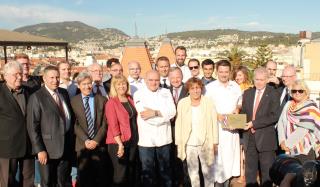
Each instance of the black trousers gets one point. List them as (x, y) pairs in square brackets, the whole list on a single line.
[(56, 173), (8, 171), (92, 167), (254, 159), (125, 169)]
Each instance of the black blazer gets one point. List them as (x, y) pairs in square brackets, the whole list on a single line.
[(46, 127), (13, 131), (266, 117), (107, 85), (81, 125)]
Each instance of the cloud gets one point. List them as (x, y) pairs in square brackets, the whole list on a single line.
[(253, 23), (24, 15)]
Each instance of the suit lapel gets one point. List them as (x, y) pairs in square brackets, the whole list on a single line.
[(50, 100), (11, 98), (183, 93)]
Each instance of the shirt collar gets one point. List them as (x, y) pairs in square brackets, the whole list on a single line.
[(90, 95), (131, 80), (51, 91)]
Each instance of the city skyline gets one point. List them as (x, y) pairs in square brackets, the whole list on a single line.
[(155, 18)]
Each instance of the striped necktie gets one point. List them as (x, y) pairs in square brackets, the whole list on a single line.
[(89, 118)]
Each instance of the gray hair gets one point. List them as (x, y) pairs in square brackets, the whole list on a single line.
[(11, 65), (82, 76), (94, 64), (261, 70)]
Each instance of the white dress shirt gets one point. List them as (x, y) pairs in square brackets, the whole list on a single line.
[(135, 85), (156, 131), (67, 113)]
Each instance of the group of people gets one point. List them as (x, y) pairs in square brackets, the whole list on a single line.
[(164, 129)]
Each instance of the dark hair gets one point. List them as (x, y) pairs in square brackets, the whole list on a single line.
[(180, 48), (207, 62), (195, 60), (223, 63), (163, 58), (192, 81), (112, 60)]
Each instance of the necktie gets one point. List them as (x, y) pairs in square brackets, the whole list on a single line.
[(89, 118), (176, 95), (59, 103), (164, 83), (257, 101), (98, 92)]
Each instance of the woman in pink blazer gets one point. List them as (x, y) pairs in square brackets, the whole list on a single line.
[(122, 133)]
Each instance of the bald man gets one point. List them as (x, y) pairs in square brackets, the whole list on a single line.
[(135, 81), (289, 76), (155, 107)]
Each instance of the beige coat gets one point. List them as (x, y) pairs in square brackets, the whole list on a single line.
[(209, 128)]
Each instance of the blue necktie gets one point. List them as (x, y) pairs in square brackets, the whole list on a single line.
[(89, 118)]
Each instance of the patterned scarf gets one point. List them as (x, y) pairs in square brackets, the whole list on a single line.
[(307, 116)]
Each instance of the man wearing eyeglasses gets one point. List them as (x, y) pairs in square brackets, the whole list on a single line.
[(134, 79), (194, 67), (289, 76)]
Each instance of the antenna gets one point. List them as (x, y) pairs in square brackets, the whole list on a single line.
[(135, 30)]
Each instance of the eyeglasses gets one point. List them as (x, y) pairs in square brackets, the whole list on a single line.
[(297, 91), (194, 67)]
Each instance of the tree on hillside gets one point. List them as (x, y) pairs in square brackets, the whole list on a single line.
[(263, 54), (235, 55)]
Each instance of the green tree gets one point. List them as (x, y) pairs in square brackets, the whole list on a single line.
[(263, 54), (235, 55)]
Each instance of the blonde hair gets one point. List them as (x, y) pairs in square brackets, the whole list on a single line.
[(115, 80), (303, 86)]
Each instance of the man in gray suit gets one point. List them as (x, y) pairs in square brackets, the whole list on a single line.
[(49, 123)]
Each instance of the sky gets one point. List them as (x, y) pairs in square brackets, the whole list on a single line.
[(156, 17)]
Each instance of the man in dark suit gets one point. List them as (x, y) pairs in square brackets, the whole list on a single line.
[(178, 92), (260, 104), (90, 130), (49, 123), (163, 66), (13, 134), (289, 76)]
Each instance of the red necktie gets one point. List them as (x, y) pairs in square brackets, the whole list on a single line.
[(257, 101)]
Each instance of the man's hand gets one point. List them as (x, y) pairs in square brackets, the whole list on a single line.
[(248, 125), (274, 79), (90, 144), (43, 157), (147, 113), (221, 117)]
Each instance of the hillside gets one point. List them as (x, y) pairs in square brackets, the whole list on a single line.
[(73, 31)]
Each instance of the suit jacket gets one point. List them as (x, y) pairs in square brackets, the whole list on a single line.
[(183, 93), (266, 117), (107, 85), (81, 125), (118, 120), (13, 131), (46, 126)]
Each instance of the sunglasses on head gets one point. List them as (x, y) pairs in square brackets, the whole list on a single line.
[(194, 67), (295, 91)]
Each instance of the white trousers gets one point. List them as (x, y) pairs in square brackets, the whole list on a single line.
[(194, 154)]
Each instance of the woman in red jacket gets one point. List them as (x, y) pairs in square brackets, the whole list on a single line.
[(122, 133)]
